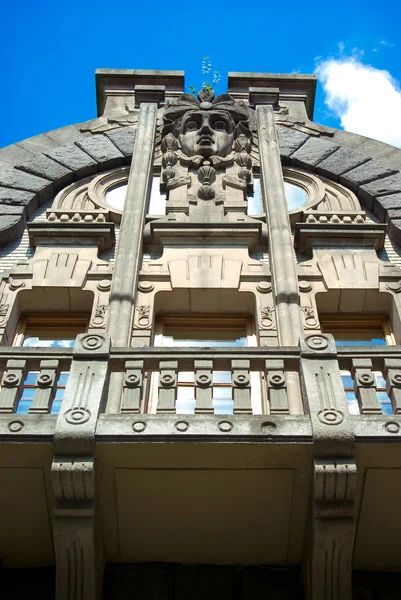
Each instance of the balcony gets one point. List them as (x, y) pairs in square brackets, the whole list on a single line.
[(189, 487)]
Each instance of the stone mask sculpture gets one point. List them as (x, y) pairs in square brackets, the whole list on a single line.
[(206, 133), (207, 126)]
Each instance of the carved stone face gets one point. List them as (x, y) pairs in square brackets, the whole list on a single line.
[(206, 132)]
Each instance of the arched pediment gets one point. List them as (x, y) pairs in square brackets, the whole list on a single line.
[(34, 170)]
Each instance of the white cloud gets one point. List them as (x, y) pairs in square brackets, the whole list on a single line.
[(366, 100)]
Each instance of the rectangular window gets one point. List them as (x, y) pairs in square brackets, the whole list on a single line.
[(361, 330), (47, 331), (211, 332)]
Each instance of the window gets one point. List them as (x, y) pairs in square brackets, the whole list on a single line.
[(39, 331), (295, 195), (355, 330), (211, 332)]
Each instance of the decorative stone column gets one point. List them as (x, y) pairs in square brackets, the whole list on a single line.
[(284, 274), (129, 250), (328, 563), (281, 252), (77, 533)]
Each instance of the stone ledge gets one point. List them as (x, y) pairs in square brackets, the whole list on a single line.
[(27, 428), (206, 428), (72, 234)]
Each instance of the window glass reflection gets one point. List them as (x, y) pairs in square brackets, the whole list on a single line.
[(116, 197), (157, 202), (189, 336), (255, 206), (294, 195)]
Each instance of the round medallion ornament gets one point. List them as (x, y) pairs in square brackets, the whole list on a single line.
[(10, 380), (203, 381), (104, 285), (392, 427), (304, 286), (167, 380), (276, 381), (264, 287), (92, 342), (225, 426), (330, 416), (145, 287), (395, 380), (317, 342), (44, 380), (394, 287), (77, 416), (268, 427), (365, 379), (139, 426), (15, 426), (182, 426), (15, 284), (132, 380), (241, 380)]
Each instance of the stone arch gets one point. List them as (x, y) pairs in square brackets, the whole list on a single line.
[(34, 170)]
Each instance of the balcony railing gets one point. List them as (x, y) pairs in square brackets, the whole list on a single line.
[(33, 378), (151, 378)]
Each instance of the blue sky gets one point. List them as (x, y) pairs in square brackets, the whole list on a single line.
[(50, 51)]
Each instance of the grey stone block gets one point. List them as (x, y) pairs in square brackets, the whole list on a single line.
[(12, 197), (64, 135), (14, 153), (44, 166), (384, 204), (290, 140), (101, 149), (365, 173), (124, 139), (343, 160), (11, 227), (393, 213), (394, 231), (6, 209), (38, 144), (313, 151), (14, 178), (75, 159), (382, 187)]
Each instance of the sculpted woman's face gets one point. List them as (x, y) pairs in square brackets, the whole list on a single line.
[(206, 132)]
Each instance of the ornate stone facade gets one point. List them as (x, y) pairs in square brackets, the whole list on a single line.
[(285, 476)]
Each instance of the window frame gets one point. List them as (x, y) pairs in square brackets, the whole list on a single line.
[(331, 322), (204, 321)]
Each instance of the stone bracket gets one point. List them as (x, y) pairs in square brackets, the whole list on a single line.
[(328, 562), (77, 534)]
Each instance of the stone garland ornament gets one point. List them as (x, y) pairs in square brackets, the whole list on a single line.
[(243, 159), (267, 317), (143, 316), (169, 146), (99, 320), (310, 321)]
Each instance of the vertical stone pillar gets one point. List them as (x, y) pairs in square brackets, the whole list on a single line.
[(281, 252), (76, 529), (129, 249), (328, 562)]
